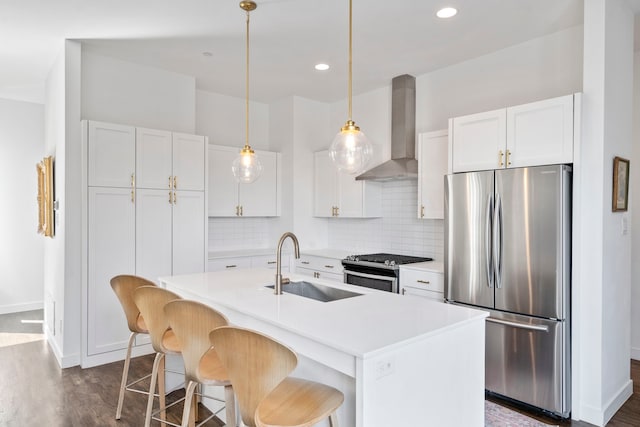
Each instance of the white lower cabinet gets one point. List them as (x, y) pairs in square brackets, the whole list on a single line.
[(249, 261), (320, 267), (111, 251), (416, 281), (218, 264)]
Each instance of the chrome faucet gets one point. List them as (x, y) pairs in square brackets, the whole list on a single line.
[(277, 289)]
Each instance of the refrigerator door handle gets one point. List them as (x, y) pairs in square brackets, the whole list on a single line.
[(487, 244), (541, 328), (497, 241)]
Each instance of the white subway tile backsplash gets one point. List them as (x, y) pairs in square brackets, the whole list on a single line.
[(230, 234)]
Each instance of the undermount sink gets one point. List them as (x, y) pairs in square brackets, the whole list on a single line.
[(316, 291)]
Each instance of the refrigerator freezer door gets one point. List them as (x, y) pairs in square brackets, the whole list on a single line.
[(468, 216), (534, 240), (526, 360)]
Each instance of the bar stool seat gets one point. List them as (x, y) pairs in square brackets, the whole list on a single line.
[(258, 367), (124, 287)]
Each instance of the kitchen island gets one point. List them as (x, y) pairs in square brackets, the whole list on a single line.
[(399, 361)]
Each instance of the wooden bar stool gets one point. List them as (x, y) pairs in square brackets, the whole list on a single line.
[(192, 322), (151, 301), (124, 286), (258, 367)]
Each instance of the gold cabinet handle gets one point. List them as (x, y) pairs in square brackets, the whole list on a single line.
[(237, 210), (230, 266), (175, 182), (271, 262), (500, 158), (133, 195), (170, 201), (133, 180), (304, 262), (508, 157), (170, 183), (241, 210), (175, 198), (329, 266), (422, 211), (337, 211), (403, 291), (426, 282)]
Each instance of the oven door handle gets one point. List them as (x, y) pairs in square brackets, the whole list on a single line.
[(393, 280)]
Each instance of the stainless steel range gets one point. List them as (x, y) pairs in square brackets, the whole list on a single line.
[(377, 271)]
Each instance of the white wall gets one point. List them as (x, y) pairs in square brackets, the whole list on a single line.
[(222, 119), (22, 249), (122, 92), (602, 259), (634, 194)]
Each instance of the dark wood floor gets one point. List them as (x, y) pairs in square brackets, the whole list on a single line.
[(34, 391)]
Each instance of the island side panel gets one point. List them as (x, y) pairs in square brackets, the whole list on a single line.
[(437, 381)]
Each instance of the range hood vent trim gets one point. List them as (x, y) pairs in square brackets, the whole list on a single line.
[(403, 164)]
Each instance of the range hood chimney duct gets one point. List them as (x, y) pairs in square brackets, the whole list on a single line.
[(403, 163)]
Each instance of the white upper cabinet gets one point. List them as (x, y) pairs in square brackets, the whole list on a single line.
[(228, 198), (189, 162), (111, 155), (169, 160), (478, 140), (537, 133), (338, 194), (432, 167)]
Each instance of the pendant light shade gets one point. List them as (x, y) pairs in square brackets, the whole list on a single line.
[(350, 150), (246, 167)]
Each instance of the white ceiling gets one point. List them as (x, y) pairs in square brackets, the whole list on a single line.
[(288, 37)]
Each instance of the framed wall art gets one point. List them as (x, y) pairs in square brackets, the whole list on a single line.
[(45, 196), (620, 184)]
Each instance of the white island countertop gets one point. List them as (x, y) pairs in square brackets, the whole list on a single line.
[(398, 360), (360, 326)]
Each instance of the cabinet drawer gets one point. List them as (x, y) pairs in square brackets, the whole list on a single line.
[(228, 263), (422, 293), (269, 261), (427, 280), (329, 265), (335, 277)]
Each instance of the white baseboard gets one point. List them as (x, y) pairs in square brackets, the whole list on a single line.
[(635, 353), (601, 416), (18, 308), (63, 361)]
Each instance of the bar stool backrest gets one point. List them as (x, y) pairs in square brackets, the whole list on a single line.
[(124, 286), (255, 363), (151, 301), (191, 322)]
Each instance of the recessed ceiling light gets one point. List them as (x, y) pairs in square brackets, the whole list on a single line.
[(322, 67), (446, 12), (207, 54)]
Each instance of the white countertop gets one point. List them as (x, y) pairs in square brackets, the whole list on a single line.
[(362, 326), (434, 266)]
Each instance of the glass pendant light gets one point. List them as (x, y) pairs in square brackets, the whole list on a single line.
[(350, 150), (246, 167)]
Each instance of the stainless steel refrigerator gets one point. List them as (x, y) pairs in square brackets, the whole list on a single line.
[(508, 250)]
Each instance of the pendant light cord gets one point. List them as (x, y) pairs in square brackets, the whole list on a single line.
[(350, 56), (247, 88)]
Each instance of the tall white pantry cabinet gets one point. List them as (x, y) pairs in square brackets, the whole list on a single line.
[(145, 213)]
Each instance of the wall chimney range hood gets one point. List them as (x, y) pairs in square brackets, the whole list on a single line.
[(403, 163)]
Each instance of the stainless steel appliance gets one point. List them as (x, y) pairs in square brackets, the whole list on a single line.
[(378, 271), (508, 250)]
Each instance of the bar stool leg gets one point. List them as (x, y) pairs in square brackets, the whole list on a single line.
[(152, 388), (161, 391), (333, 420), (230, 406), (187, 414), (125, 374)]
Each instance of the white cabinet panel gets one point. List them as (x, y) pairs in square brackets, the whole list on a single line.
[(478, 140), (432, 167), (153, 233), (541, 133), (111, 154), (111, 251), (189, 161), (427, 280), (270, 261), (320, 267), (337, 194), (188, 232), (537, 133), (228, 198), (153, 158), (419, 292)]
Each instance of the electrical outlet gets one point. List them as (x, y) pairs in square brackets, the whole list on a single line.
[(384, 367)]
